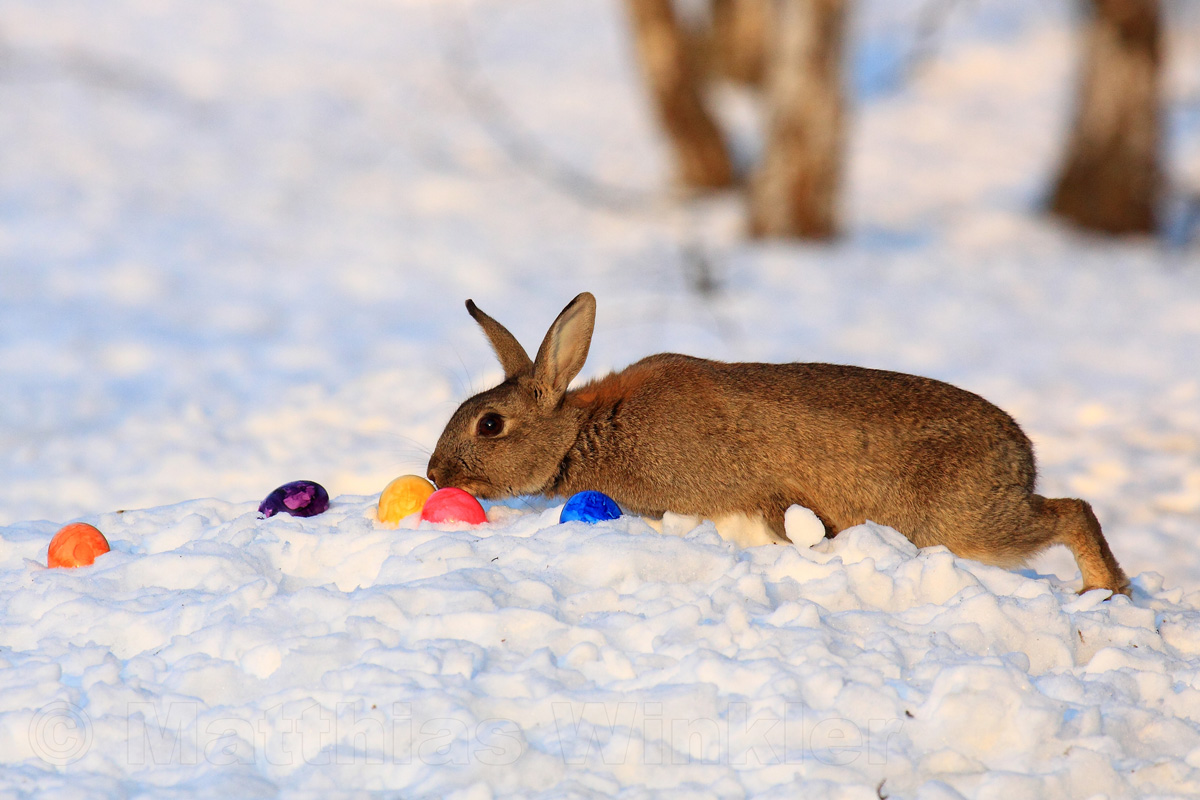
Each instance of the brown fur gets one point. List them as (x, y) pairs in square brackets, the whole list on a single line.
[(706, 438)]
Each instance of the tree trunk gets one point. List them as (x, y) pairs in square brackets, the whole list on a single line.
[(739, 39), (796, 190), (1111, 179), (702, 159)]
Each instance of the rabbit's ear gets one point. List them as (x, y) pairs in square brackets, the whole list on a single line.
[(565, 347), (512, 356)]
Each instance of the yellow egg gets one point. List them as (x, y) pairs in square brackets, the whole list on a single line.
[(403, 496)]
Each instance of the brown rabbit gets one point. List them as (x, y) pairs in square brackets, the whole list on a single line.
[(706, 438)]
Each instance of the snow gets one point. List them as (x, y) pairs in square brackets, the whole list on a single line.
[(802, 526), (235, 240)]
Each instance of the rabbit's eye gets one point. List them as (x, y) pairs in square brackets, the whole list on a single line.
[(489, 425)]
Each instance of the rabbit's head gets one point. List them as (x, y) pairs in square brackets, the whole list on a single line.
[(511, 440)]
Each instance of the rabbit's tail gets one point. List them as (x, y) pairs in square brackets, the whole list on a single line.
[(1072, 522)]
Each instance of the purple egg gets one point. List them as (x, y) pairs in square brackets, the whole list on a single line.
[(298, 498)]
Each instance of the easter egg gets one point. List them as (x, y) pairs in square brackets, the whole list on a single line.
[(403, 496), (76, 545), (453, 505), (298, 498), (589, 506)]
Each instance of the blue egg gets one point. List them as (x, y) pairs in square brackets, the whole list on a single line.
[(590, 507)]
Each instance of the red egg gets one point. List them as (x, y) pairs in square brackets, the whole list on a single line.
[(76, 545), (453, 505)]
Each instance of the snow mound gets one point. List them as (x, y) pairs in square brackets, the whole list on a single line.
[(215, 651)]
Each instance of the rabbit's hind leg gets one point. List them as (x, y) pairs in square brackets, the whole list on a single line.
[(1072, 522)]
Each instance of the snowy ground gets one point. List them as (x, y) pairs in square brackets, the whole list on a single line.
[(235, 239)]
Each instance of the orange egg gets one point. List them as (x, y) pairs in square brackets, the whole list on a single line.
[(76, 545)]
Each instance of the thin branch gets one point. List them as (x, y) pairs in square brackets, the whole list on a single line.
[(517, 143), (97, 70), (527, 153), (931, 24)]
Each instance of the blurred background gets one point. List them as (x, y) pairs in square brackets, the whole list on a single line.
[(236, 237)]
